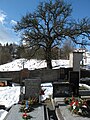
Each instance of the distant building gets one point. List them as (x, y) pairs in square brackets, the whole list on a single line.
[(86, 58)]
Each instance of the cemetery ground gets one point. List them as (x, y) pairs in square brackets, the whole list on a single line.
[(46, 111), (61, 100), (38, 112), (50, 109)]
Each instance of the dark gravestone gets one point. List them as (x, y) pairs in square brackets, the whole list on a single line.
[(64, 73), (9, 83), (74, 82), (32, 88), (61, 89), (2, 107)]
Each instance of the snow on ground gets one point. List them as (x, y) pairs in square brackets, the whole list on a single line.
[(32, 64), (3, 113), (84, 85), (48, 90), (8, 97)]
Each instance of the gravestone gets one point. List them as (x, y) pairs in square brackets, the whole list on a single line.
[(64, 73), (61, 89), (32, 88), (74, 82)]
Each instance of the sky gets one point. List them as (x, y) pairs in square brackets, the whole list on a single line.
[(11, 11)]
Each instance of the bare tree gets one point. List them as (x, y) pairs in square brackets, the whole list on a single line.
[(67, 48), (50, 25)]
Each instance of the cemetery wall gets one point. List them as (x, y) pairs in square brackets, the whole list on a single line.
[(46, 75), (51, 75), (15, 75)]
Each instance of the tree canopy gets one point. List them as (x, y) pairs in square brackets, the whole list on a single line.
[(51, 24)]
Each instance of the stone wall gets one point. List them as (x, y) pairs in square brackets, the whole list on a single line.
[(15, 75), (46, 75), (51, 75)]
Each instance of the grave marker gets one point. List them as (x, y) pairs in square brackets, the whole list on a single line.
[(61, 89), (74, 82)]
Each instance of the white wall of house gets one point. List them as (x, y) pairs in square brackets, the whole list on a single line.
[(86, 58)]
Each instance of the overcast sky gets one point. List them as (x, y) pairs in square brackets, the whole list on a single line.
[(12, 10)]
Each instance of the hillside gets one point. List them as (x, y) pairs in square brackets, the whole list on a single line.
[(32, 64)]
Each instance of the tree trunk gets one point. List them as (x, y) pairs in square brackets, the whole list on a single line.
[(48, 58), (49, 64)]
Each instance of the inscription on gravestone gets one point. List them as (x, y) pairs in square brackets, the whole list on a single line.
[(61, 89), (32, 87)]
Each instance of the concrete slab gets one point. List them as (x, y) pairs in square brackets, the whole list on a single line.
[(63, 113), (36, 114)]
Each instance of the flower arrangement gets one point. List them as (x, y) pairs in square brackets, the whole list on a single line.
[(26, 116), (32, 101), (77, 106), (26, 107)]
